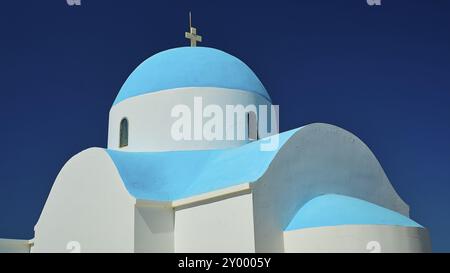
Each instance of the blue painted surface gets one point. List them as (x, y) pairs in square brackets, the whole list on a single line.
[(166, 176), (190, 67), (334, 210)]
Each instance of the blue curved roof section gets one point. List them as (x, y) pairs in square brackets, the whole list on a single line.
[(168, 176), (334, 210), (190, 67)]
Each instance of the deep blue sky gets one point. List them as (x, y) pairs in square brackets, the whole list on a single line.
[(382, 73)]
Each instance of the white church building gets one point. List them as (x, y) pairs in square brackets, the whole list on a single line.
[(320, 190)]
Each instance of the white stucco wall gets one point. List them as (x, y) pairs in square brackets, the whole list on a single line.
[(88, 204), (358, 238), (14, 246), (150, 121), (221, 226), (154, 228), (318, 159)]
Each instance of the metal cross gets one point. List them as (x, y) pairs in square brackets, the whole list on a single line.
[(192, 34)]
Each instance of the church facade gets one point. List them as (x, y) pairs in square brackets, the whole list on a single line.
[(320, 189)]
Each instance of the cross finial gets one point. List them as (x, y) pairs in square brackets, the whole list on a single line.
[(192, 34)]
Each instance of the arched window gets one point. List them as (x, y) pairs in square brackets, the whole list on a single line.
[(123, 142), (252, 125)]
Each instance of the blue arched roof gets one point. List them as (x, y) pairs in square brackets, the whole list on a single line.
[(190, 67), (334, 209), (168, 176)]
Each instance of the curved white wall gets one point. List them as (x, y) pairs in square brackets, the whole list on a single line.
[(358, 239), (89, 204), (318, 159), (150, 120)]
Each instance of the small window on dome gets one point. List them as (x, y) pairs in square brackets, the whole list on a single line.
[(252, 125), (123, 142)]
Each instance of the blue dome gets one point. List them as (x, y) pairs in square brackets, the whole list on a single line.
[(190, 67)]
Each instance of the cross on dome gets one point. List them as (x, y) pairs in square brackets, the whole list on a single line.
[(192, 34)]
